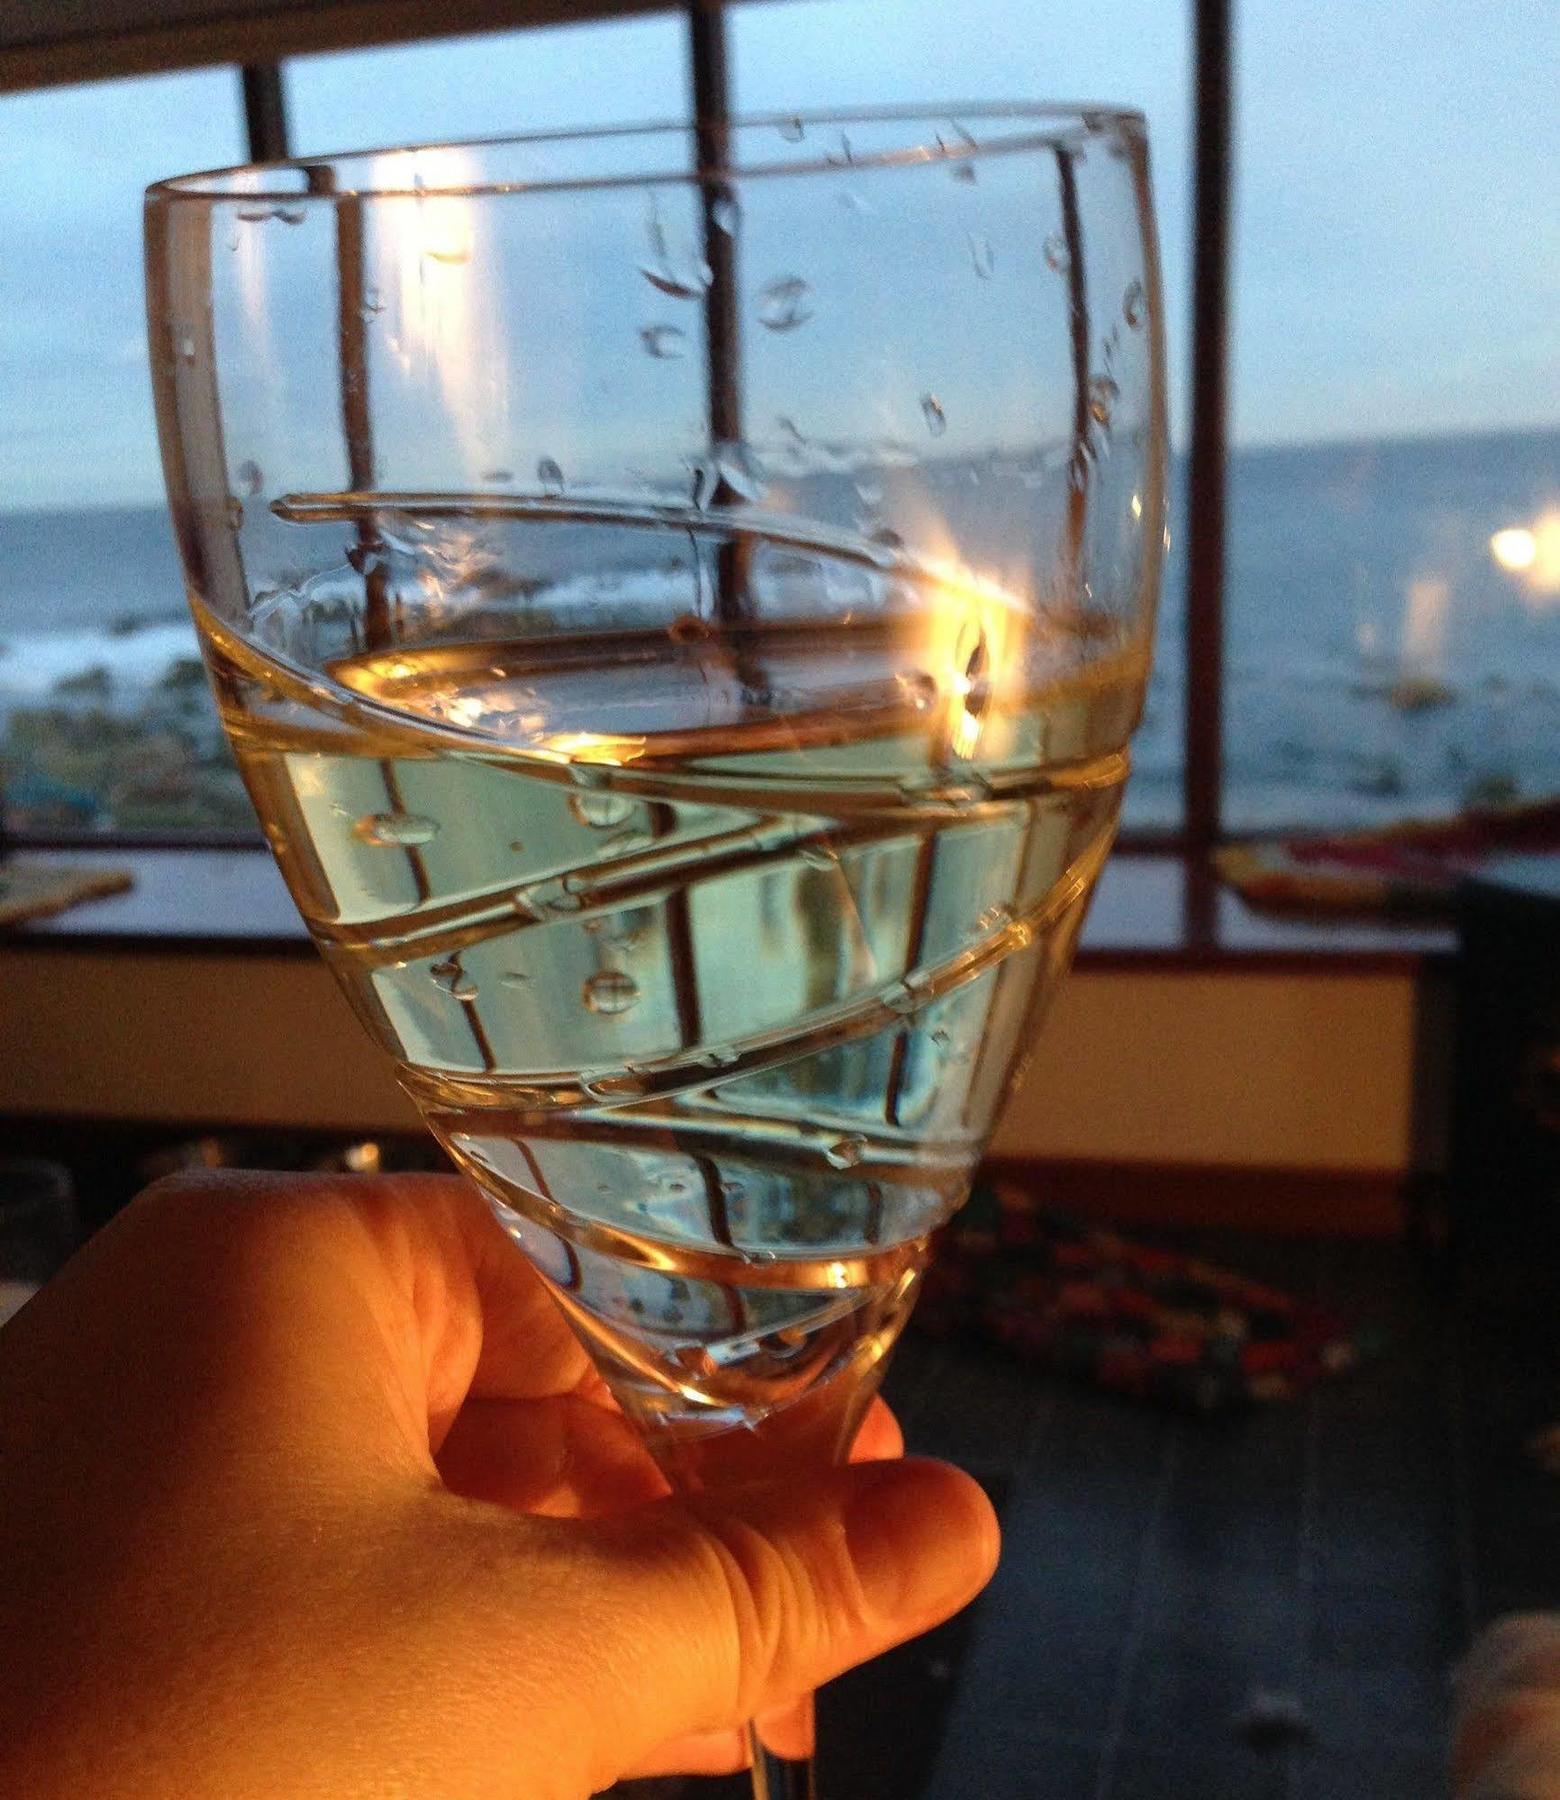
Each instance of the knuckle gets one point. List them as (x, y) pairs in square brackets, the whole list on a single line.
[(791, 1600)]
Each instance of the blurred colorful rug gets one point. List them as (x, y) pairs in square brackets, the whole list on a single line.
[(1150, 1323)]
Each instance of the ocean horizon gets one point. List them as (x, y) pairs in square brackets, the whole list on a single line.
[(1380, 661)]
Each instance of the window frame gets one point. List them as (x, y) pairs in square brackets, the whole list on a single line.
[(261, 95)]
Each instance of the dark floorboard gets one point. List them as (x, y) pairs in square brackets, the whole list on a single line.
[(1161, 1574)]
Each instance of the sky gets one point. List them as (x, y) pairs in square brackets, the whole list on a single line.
[(1397, 244)]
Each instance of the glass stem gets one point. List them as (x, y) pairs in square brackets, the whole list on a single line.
[(779, 1777)]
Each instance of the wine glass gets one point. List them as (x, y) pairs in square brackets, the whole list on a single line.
[(680, 612)]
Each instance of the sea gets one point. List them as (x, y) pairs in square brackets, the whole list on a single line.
[(1392, 639)]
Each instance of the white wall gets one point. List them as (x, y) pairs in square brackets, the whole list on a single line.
[(1236, 1069)]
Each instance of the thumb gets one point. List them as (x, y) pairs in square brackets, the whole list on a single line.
[(693, 1615)]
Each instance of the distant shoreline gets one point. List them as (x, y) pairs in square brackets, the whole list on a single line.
[(1395, 441)]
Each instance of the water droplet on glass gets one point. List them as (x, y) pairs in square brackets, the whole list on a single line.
[(983, 259), (601, 810), (666, 343), (1134, 304), (550, 476), (682, 277), (941, 1042), (1103, 394), (784, 304), (1056, 253), (792, 130), (901, 999), (868, 491), (740, 471), (250, 480), (794, 445), (498, 478), (610, 992), (703, 479), (853, 202), (514, 978), (963, 170), (395, 830), (726, 213), (689, 628), (845, 1152), (254, 215), (994, 918), (932, 411), (187, 346), (453, 979), (819, 856), (373, 303), (888, 539)]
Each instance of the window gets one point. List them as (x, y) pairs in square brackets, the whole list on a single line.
[(1392, 581), (797, 54), (616, 72), (105, 721), (1393, 572)]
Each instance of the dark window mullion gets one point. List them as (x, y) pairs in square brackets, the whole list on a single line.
[(265, 111), (1206, 472)]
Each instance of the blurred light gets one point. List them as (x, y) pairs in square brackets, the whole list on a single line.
[(1532, 554), (1514, 548)]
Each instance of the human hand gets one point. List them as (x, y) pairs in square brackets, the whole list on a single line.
[(309, 1491)]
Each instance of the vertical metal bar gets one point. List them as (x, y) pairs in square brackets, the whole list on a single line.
[(708, 67), (357, 423), (1205, 479), (709, 72), (265, 112)]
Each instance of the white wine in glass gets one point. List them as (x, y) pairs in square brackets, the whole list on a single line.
[(701, 822)]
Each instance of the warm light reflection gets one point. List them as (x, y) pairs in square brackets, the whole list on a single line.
[(1424, 622), (430, 279), (247, 246), (1532, 554), (595, 747), (975, 646)]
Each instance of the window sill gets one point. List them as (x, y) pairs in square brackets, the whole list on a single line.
[(1158, 909)]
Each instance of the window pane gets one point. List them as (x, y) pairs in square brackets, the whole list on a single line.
[(803, 55), (614, 72), (1394, 506), (105, 719)]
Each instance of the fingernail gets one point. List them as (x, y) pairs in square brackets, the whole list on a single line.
[(922, 1538)]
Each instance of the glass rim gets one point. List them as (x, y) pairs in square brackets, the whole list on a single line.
[(1037, 125)]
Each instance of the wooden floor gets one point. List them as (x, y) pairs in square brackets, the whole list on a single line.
[(1161, 1574)]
